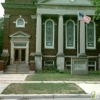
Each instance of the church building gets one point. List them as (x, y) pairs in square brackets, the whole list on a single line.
[(49, 32)]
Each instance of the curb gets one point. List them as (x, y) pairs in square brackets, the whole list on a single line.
[(32, 96)]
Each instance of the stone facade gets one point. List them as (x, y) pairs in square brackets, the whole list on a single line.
[(35, 15)]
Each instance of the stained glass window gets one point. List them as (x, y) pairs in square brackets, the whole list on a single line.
[(90, 35), (70, 34), (49, 34)]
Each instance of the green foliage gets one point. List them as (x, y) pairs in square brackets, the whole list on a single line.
[(96, 3), (52, 68), (94, 72)]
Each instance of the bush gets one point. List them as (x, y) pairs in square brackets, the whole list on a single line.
[(50, 68), (94, 72)]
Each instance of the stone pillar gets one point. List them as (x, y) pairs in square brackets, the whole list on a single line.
[(12, 54), (38, 55), (82, 39), (60, 54), (38, 34)]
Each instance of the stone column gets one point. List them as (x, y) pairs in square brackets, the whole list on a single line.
[(38, 55), (60, 35), (38, 34), (60, 54), (82, 39), (12, 53)]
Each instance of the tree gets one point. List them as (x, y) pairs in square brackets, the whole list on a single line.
[(96, 3), (1, 34)]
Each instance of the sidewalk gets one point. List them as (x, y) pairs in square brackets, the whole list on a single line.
[(7, 79)]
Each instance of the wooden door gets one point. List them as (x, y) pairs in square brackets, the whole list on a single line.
[(19, 55)]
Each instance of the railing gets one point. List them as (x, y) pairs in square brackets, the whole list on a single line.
[(5, 66), (17, 64)]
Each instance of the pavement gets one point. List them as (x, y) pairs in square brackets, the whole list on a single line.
[(87, 86)]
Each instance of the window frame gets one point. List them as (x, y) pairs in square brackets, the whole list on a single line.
[(68, 65), (49, 47), (22, 26), (48, 64), (92, 65), (94, 37), (67, 47)]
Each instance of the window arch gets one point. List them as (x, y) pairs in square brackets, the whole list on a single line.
[(70, 34), (20, 22), (49, 34), (90, 36)]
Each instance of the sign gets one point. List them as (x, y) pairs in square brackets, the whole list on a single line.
[(79, 65)]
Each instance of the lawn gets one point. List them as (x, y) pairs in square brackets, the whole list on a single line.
[(43, 88), (92, 76)]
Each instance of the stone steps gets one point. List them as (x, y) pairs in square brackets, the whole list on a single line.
[(21, 69)]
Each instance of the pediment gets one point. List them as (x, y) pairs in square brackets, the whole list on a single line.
[(66, 2), (20, 34)]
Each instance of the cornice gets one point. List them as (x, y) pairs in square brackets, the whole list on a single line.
[(12, 5)]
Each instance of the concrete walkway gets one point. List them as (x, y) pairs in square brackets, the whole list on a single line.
[(6, 79)]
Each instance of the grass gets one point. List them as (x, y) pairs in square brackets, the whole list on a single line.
[(43, 88), (66, 76)]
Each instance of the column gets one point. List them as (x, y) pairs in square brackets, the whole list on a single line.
[(27, 53), (82, 39), (38, 34), (12, 53), (60, 35), (60, 54), (38, 55)]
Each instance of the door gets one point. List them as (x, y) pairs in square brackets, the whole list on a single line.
[(20, 55)]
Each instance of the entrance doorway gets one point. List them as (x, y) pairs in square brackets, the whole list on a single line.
[(20, 55)]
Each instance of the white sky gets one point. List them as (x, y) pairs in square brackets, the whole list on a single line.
[(1, 8)]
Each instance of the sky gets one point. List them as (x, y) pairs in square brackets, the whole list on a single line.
[(1, 8)]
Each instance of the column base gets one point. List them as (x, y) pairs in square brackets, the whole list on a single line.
[(38, 61), (60, 62), (82, 55)]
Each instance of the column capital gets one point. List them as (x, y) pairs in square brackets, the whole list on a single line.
[(33, 16), (7, 16)]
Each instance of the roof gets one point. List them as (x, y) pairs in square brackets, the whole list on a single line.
[(65, 2)]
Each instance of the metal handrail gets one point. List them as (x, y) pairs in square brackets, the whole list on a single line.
[(16, 66), (5, 65)]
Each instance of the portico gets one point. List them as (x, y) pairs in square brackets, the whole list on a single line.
[(19, 48)]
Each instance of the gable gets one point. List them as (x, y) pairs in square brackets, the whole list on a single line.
[(19, 34), (65, 2)]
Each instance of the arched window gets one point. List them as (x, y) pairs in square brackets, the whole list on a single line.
[(70, 34), (49, 34), (20, 22), (90, 36)]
